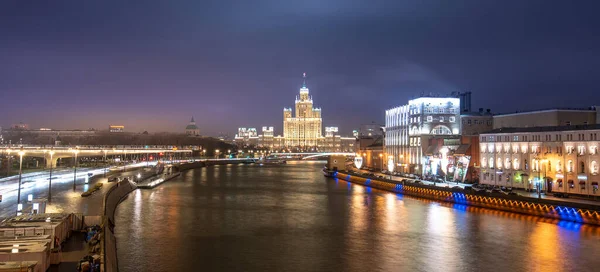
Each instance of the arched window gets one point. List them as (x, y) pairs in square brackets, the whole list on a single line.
[(491, 162), (484, 163), (499, 163), (516, 164), (507, 163), (570, 166), (441, 130), (582, 167), (594, 167), (558, 166)]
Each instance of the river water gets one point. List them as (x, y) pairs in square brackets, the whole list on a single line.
[(291, 218)]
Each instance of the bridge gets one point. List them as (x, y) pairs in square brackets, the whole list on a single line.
[(51, 154), (312, 155)]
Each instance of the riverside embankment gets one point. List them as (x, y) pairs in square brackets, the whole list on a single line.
[(559, 210)]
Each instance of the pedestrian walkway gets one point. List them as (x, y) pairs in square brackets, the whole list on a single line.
[(73, 250)]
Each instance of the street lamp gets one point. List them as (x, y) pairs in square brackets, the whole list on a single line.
[(75, 152), (217, 153), (381, 157), (21, 153), (9, 166), (204, 153), (50, 180)]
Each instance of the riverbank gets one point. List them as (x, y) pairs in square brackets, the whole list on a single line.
[(559, 210)]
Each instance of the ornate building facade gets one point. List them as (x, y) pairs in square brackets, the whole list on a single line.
[(561, 159), (304, 129)]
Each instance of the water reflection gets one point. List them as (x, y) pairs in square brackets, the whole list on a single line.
[(290, 218)]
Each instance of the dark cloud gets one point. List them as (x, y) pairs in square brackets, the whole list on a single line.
[(152, 64)]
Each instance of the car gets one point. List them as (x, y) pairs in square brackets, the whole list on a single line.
[(417, 181), (457, 189), (563, 195)]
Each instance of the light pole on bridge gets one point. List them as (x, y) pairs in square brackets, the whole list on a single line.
[(21, 153), (50, 180)]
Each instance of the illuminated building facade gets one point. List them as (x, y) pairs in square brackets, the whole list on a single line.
[(556, 159), (116, 129), (409, 128), (304, 129)]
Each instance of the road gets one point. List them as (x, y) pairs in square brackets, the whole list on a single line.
[(64, 199)]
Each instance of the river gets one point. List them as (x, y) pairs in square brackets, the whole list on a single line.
[(291, 218)]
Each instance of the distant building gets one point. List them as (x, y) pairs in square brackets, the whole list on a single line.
[(266, 138), (19, 126), (370, 130), (305, 128), (246, 137), (116, 129), (191, 129), (475, 123), (548, 117)]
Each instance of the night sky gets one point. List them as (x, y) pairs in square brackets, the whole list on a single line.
[(150, 65)]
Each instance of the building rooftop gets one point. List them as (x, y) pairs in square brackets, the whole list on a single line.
[(589, 109), (543, 129)]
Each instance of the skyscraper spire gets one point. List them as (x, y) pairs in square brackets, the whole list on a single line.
[(192, 121), (304, 80)]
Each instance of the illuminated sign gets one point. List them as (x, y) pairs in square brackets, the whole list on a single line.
[(358, 161)]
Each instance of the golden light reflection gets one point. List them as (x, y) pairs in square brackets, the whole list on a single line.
[(545, 247)]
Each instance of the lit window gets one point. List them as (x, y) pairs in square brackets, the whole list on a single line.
[(429, 119), (484, 163), (558, 166), (491, 162), (499, 163), (441, 118), (594, 168), (516, 164), (452, 119)]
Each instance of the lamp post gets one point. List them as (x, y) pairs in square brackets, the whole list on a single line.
[(124, 160), (75, 152), (204, 153), (21, 153), (105, 166), (50, 180), (217, 153), (9, 165)]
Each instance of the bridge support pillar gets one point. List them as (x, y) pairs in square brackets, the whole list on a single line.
[(53, 162)]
